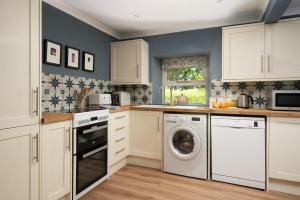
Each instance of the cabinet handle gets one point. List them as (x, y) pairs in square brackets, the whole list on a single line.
[(121, 139), (35, 108), (36, 155), (262, 64), (117, 152), (137, 70), (269, 63), (68, 133), (158, 124), (121, 117), (118, 129)]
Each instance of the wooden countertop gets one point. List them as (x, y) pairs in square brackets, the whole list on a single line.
[(52, 117), (120, 109)]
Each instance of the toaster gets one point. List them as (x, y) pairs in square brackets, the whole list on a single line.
[(99, 99)]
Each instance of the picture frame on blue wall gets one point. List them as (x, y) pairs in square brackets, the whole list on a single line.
[(88, 61), (72, 57), (52, 53)]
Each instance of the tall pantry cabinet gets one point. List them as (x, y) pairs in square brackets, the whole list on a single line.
[(19, 102)]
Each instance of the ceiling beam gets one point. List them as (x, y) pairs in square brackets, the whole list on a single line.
[(275, 10)]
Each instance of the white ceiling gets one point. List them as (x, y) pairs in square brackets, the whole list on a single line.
[(134, 18)]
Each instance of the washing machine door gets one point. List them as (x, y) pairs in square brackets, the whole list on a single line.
[(184, 142)]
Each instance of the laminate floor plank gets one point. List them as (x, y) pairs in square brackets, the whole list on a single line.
[(139, 183)]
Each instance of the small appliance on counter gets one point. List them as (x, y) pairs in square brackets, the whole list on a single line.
[(121, 99), (99, 99), (244, 101), (284, 100)]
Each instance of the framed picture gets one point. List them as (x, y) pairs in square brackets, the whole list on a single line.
[(88, 61), (72, 57), (52, 53)]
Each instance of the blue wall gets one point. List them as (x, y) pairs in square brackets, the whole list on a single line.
[(67, 30), (197, 42)]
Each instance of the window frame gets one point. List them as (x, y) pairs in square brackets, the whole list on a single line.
[(203, 83)]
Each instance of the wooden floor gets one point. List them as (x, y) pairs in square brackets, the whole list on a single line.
[(133, 183)]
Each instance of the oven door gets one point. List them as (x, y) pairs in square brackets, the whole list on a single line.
[(90, 168), (87, 138)]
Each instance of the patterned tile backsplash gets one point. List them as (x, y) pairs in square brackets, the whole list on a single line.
[(58, 91), (258, 90)]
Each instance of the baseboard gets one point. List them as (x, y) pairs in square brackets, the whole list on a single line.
[(66, 197), (284, 186), (117, 166), (144, 162)]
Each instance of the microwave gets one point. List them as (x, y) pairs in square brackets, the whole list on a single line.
[(285, 100), (121, 99)]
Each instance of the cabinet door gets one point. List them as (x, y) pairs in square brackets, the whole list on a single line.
[(19, 167), (146, 134), (284, 148), (20, 62), (283, 50), (56, 160), (125, 62), (243, 53)]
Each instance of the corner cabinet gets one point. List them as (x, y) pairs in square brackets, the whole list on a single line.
[(20, 158), (259, 52), (130, 62), (146, 132), (20, 62), (56, 142), (284, 148)]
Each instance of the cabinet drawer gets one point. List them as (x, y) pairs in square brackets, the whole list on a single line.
[(119, 117), (118, 151)]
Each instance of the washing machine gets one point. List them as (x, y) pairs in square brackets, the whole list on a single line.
[(185, 145)]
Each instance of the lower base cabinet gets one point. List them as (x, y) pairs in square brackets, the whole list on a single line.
[(284, 163), (146, 132), (56, 145), (19, 168)]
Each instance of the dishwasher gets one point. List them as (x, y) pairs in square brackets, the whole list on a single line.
[(238, 150)]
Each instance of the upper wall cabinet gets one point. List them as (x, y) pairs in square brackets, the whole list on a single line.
[(243, 51), (19, 63), (259, 52), (283, 50), (130, 62)]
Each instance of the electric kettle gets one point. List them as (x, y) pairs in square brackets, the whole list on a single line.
[(244, 101)]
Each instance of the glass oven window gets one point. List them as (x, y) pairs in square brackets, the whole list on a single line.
[(92, 136), (90, 169)]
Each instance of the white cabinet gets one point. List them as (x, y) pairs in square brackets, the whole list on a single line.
[(243, 52), (118, 137), (259, 52), (283, 50), (19, 168), (20, 62), (146, 132), (56, 160), (130, 62), (284, 149)]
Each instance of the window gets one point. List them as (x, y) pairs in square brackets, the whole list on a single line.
[(185, 76)]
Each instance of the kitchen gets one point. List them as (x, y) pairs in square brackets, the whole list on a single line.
[(128, 105)]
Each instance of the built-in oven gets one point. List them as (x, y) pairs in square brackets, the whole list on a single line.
[(89, 157)]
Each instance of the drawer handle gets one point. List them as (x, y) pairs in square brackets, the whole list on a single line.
[(121, 117), (119, 140), (120, 151), (118, 129)]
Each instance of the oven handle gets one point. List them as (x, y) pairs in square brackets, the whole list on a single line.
[(94, 128), (94, 151)]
